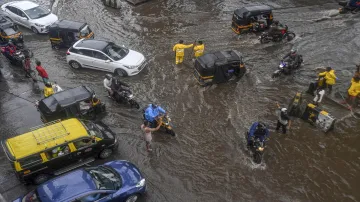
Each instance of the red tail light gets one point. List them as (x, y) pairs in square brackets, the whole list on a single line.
[(68, 53)]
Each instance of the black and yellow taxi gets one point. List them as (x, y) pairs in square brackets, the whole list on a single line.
[(64, 33), (9, 30), (57, 147)]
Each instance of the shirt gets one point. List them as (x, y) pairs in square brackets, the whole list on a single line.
[(254, 132), (284, 119), (151, 113), (107, 83), (42, 72)]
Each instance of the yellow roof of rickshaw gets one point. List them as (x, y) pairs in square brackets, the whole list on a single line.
[(45, 137)]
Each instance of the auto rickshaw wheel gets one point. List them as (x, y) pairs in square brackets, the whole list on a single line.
[(105, 153), (75, 65), (40, 179), (56, 47)]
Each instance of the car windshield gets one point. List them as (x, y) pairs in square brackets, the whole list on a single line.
[(115, 52), (85, 31), (31, 197), (105, 177), (37, 12), (92, 129)]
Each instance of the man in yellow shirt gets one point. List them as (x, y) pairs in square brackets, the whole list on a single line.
[(330, 77), (179, 51), (354, 92), (199, 49)]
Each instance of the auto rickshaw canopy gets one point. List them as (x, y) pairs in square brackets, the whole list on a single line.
[(64, 99), (67, 25), (247, 12)]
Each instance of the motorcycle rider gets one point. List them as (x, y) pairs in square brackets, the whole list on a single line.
[(257, 130), (152, 113), (10, 48), (114, 86), (292, 58), (275, 29), (107, 84)]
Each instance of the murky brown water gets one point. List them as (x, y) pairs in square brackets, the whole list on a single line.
[(207, 161)]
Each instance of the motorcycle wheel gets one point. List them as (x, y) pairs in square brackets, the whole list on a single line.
[(170, 131), (275, 75), (257, 157), (265, 39), (290, 36), (133, 103)]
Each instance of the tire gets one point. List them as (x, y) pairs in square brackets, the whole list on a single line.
[(257, 157), (121, 72), (34, 30), (170, 131), (40, 179), (132, 198), (56, 47), (133, 103), (264, 39), (105, 153), (75, 65), (276, 74), (290, 36)]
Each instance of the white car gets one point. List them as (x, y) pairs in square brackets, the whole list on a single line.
[(30, 15), (105, 56)]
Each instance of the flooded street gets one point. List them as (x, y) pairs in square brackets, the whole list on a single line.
[(208, 160)]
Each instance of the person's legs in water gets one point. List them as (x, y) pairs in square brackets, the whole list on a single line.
[(329, 87), (283, 128), (148, 146), (278, 125)]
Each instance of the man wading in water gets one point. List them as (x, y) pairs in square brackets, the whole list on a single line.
[(283, 119), (147, 132)]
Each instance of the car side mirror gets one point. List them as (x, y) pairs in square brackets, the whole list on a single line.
[(107, 61), (24, 18)]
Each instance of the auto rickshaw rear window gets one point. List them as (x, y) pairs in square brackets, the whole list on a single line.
[(30, 161), (10, 31)]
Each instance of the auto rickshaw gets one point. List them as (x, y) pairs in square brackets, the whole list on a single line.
[(64, 33), (79, 102), (219, 67), (254, 19), (9, 30)]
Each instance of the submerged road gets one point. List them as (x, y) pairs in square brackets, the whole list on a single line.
[(207, 160)]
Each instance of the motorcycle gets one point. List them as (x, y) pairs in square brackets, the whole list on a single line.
[(19, 56), (285, 33), (286, 68), (345, 8), (125, 96), (258, 150), (165, 123)]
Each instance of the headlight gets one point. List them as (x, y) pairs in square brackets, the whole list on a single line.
[(39, 25), (129, 66), (141, 183), (261, 148), (281, 66)]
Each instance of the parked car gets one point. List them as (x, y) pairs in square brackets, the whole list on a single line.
[(117, 181), (105, 56), (30, 15), (58, 147)]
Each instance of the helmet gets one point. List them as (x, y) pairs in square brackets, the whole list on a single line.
[(154, 106), (276, 22), (293, 51), (283, 110), (108, 76)]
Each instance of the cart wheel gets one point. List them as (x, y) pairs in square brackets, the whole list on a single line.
[(105, 153), (41, 178)]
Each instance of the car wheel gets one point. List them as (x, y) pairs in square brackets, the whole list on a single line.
[(41, 178), (105, 153), (121, 72), (34, 30), (75, 65), (132, 198)]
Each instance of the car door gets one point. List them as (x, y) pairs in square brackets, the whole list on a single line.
[(85, 58), (23, 19), (85, 148), (102, 62)]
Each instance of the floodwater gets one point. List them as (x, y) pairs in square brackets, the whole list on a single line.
[(207, 160)]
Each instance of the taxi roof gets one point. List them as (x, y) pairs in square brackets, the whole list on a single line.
[(45, 137)]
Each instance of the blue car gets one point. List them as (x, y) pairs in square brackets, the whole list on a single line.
[(114, 181)]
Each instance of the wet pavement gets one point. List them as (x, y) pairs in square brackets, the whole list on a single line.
[(207, 160)]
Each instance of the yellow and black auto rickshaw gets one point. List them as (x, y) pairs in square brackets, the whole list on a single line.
[(64, 33), (9, 30), (219, 67), (252, 19)]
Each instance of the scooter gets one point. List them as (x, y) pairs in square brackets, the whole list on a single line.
[(285, 34), (165, 123)]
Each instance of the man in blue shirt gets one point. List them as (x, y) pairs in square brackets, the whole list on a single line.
[(152, 113), (257, 130)]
